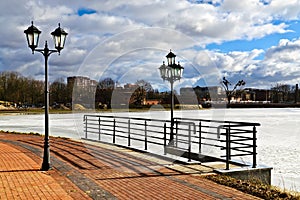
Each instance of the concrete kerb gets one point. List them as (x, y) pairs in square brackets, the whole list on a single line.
[(260, 173)]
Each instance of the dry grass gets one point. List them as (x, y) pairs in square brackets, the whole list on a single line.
[(254, 188)]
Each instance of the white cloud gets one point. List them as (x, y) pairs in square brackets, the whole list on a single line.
[(281, 64), (180, 25)]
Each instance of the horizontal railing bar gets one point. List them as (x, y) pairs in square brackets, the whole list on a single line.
[(232, 128), (183, 141), (238, 149), (93, 119), (240, 143), (103, 120), (238, 155), (241, 150), (154, 131), (208, 133), (240, 136), (212, 139), (244, 147), (106, 129), (134, 118), (232, 123), (154, 137), (93, 132), (219, 121), (242, 154), (187, 132), (93, 128), (152, 142), (234, 133)]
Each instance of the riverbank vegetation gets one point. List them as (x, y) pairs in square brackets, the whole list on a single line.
[(19, 92), (255, 188)]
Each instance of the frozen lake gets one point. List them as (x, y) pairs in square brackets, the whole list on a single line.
[(278, 136)]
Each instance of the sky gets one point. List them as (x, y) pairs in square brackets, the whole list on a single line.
[(257, 41)]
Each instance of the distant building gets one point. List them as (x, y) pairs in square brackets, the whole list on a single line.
[(121, 96), (82, 82), (84, 90), (189, 95), (253, 94)]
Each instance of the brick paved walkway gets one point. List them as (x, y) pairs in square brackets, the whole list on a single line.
[(84, 170)]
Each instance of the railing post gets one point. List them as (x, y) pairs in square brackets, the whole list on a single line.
[(254, 147), (165, 138), (85, 121), (189, 143), (114, 132), (129, 132), (176, 133), (99, 127), (229, 136), (227, 148), (200, 135), (146, 135)]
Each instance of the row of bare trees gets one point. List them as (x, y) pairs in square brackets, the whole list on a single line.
[(285, 93), (19, 89), (25, 91)]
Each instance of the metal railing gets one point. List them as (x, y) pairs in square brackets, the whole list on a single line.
[(191, 136)]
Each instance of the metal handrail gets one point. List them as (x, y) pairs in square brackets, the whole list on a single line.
[(190, 134)]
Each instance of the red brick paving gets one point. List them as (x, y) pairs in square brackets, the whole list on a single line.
[(85, 171), (21, 179)]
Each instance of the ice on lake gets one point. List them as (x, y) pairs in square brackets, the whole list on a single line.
[(278, 136)]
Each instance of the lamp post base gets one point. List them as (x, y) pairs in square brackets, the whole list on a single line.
[(46, 158), (45, 166)]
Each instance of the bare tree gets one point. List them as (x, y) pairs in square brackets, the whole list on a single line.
[(104, 92), (58, 91), (281, 92), (231, 92)]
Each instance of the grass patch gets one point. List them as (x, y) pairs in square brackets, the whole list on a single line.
[(14, 132), (255, 188), (32, 133)]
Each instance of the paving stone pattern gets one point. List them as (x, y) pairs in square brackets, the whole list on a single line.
[(86, 170)]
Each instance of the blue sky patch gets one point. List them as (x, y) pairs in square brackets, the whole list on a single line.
[(211, 2), (261, 43), (85, 11)]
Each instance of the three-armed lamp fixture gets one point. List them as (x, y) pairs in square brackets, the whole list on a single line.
[(171, 72)]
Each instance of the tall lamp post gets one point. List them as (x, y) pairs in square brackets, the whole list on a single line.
[(59, 36), (171, 72)]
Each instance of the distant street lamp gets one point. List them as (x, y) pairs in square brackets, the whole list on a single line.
[(171, 72), (59, 37)]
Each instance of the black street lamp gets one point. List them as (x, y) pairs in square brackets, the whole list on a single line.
[(59, 37), (171, 72)]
